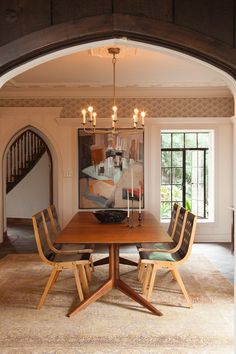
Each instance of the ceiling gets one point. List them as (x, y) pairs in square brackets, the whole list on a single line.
[(138, 71)]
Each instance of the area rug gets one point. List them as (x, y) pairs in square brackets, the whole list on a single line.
[(115, 324)]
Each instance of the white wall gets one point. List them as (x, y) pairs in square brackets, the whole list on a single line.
[(62, 136), (32, 193)]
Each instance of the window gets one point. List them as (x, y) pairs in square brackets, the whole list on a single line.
[(185, 172)]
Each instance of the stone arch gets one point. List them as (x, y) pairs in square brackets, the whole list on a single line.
[(137, 28)]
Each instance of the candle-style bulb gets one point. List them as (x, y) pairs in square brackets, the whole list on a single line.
[(94, 119), (84, 116), (90, 110), (136, 111), (143, 114)]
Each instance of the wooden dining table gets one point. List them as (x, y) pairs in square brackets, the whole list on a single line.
[(84, 228)]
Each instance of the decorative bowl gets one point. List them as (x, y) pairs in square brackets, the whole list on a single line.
[(110, 216)]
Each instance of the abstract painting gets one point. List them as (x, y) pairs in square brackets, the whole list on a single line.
[(111, 169)]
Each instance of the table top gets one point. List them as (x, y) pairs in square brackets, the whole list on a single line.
[(85, 228)]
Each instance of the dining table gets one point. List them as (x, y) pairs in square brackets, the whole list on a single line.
[(84, 228)]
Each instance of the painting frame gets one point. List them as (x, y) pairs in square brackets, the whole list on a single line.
[(106, 163)]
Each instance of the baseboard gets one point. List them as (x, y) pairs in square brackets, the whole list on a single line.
[(19, 221)]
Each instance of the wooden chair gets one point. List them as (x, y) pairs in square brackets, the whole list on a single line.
[(158, 260), (170, 247), (171, 231), (80, 267), (53, 226)]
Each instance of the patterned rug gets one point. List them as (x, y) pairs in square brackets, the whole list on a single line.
[(115, 324)]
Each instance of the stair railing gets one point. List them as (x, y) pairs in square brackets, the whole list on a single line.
[(22, 155)]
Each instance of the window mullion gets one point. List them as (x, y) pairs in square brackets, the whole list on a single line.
[(184, 178)]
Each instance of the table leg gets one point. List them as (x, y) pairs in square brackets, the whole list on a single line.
[(127, 261), (104, 288), (114, 282), (136, 297), (121, 259), (101, 261)]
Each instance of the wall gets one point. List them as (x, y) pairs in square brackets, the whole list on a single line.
[(32, 193), (217, 230), (61, 134)]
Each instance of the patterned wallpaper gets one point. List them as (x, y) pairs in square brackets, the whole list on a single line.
[(155, 107)]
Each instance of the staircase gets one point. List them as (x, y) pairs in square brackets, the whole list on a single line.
[(22, 156)]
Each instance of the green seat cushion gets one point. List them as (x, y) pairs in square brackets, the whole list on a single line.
[(161, 256), (158, 256), (161, 246)]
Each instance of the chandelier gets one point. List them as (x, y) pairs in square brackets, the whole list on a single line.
[(89, 115)]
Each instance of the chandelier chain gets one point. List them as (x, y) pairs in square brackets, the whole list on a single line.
[(114, 78)]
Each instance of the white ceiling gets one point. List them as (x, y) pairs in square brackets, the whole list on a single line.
[(136, 69)]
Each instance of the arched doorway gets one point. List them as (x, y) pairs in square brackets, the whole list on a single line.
[(28, 184), (229, 79)]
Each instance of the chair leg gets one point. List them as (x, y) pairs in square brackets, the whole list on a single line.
[(78, 283), (91, 263), (152, 281), (147, 278), (139, 264), (53, 277), (182, 287), (141, 272), (88, 271), (173, 274), (84, 280)]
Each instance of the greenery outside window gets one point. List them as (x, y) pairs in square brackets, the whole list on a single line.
[(185, 172)]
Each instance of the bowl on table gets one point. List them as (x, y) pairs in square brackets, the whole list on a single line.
[(110, 216)]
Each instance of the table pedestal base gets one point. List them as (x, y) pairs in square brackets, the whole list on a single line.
[(114, 281), (121, 260)]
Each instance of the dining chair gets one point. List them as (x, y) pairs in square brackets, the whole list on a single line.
[(79, 266), (171, 247), (171, 231), (166, 260), (53, 225)]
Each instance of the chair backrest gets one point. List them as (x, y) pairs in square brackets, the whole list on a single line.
[(173, 220), (52, 212), (40, 231), (188, 236), (179, 227), (50, 228)]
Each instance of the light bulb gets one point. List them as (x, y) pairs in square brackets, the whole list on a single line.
[(136, 111), (143, 114), (90, 109), (135, 118), (94, 119), (84, 115)]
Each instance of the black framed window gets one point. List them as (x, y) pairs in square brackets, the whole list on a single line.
[(184, 172)]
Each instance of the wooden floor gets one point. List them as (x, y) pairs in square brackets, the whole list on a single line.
[(21, 240)]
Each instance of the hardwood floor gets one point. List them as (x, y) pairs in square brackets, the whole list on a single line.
[(21, 240)]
